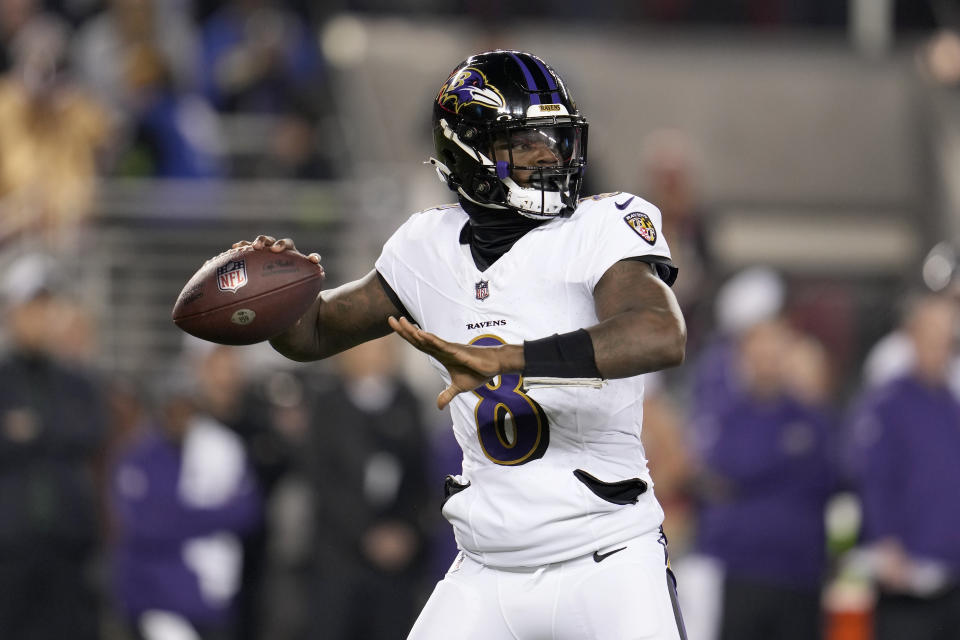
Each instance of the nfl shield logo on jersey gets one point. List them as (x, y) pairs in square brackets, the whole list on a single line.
[(483, 289), (232, 275)]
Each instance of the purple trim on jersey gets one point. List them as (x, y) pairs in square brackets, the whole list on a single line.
[(503, 169), (550, 83), (531, 83)]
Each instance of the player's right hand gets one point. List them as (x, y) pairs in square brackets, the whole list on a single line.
[(469, 366), (277, 246)]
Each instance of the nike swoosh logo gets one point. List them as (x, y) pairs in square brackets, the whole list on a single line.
[(600, 557), (625, 204)]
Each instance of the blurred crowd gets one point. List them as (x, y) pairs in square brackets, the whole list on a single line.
[(809, 484), (217, 502), (235, 88), (238, 88), (137, 88)]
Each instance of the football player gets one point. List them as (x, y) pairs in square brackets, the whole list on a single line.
[(541, 312)]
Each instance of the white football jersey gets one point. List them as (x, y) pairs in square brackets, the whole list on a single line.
[(524, 505)]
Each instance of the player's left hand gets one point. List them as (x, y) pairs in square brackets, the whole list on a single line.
[(469, 366)]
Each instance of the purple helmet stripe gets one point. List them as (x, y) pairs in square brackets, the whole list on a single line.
[(550, 83), (531, 84)]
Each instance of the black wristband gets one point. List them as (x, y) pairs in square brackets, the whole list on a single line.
[(568, 355)]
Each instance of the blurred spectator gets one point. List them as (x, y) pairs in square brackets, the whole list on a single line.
[(671, 167), (173, 133), (369, 465), (258, 58), (893, 355), (77, 334), (142, 58), (49, 135), (226, 393), (905, 447), (182, 494), (767, 475), (293, 151), (104, 45), (749, 297), (52, 426)]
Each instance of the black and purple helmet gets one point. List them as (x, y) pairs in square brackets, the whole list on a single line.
[(509, 136)]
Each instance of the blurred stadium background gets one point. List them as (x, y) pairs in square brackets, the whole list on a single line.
[(818, 140)]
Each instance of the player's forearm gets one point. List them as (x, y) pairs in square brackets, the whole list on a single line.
[(301, 342), (339, 319), (626, 344), (635, 342)]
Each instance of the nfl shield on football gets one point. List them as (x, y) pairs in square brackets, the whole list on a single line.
[(244, 296)]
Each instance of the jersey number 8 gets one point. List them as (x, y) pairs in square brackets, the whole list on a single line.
[(511, 426)]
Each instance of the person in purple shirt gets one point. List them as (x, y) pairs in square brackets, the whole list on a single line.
[(767, 475), (749, 297), (181, 495), (905, 448)]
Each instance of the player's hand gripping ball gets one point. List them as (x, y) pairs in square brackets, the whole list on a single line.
[(249, 293)]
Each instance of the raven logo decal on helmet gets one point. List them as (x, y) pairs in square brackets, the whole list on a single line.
[(469, 86)]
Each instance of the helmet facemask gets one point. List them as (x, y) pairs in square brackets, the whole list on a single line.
[(533, 166), (541, 166)]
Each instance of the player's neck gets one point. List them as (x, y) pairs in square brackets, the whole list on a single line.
[(492, 232)]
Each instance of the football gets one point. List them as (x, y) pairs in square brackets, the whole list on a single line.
[(243, 295)]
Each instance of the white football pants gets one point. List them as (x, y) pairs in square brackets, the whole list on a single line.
[(627, 595)]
